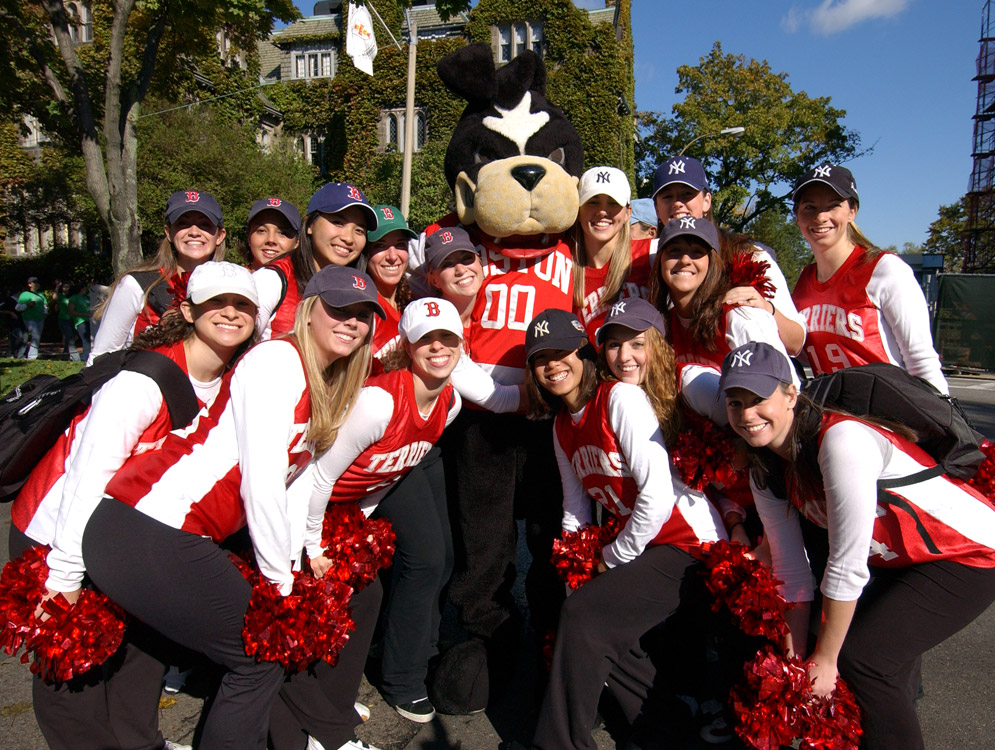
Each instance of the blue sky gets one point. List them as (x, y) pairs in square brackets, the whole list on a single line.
[(901, 69)]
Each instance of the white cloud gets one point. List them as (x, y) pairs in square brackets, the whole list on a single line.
[(832, 16)]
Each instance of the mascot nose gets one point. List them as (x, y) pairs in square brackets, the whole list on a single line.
[(528, 175)]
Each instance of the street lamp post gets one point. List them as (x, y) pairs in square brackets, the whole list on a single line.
[(738, 130)]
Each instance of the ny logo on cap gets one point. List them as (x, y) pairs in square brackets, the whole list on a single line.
[(617, 309), (823, 171), (687, 222), (358, 283), (447, 237), (387, 213), (676, 167), (275, 202), (604, 177), (742, 359), (192, 196), (541, 328)]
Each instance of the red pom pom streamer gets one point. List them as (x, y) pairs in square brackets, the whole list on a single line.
[(703, 453), (747, 589), (75, 638), (984, 478), (360, 547), (745, 270), (312, 622), (775, 705), (576, 553)]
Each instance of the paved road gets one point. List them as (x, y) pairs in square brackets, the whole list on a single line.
[(956, 711)]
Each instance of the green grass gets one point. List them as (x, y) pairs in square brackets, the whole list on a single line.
[(13, 372)]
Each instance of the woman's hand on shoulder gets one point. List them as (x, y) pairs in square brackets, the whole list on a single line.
[(747, 296)]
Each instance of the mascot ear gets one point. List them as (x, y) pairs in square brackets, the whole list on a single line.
[(469, 72), (527, 72)]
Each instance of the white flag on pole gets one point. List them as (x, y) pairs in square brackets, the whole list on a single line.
[(360, 44)]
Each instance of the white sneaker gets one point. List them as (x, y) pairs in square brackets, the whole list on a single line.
[(363, 711), (176, 746), (313, 744)]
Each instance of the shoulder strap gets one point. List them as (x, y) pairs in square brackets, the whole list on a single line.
[(157, 294), (283, 285), (178, 393)]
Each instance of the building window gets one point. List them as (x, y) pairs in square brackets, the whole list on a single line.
[(391, 129), (313, 64), (311, 147), (511, 39)]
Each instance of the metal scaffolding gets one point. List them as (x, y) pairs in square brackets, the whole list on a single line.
[(979, 237)]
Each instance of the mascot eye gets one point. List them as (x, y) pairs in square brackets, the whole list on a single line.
[(559, 156)]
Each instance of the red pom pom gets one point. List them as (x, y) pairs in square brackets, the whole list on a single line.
[(22, 586), (360, 547), (576, 553), (747, 589), (984, 478), (775, 706), (76, 637), (745, 270), (312, 622), (703, 453)]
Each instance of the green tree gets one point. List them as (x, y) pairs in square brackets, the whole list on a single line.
[(92, 94), (787, 132), (777, 228), (946, 235)]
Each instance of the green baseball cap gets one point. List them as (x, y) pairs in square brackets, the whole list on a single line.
[(389, 219)]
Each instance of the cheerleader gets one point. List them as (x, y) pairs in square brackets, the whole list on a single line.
[(387, 263), (195, 234), (210, 328), (607, 265), (861, 304), (338, 218), (910, 563), (274, 228), (680, 189), (609, 447), (152, 543)]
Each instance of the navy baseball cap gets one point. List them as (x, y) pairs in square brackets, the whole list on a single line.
[(756, 366), (703, 229), (336, 196), (636, 314), (287, 210), (683, 169), (184, 201), (554, 329), (838, 178), (443, 243), (341, 286)]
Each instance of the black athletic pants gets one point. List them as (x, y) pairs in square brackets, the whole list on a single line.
[(601, 624), (185, 587), (901, 614), (423, 562)]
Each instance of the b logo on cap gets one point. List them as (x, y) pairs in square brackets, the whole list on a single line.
[(275, 202), (432, 310), (358, 283), (742, 359), (823, 171), (604, 177), (355, 194), (676, 167), (387, 213), (447, 237), (687, 222), (541, 328), (192, 196)]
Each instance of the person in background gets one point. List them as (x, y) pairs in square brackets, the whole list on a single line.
[(60, 298), (79, 310), (642, 223), (31, 305)]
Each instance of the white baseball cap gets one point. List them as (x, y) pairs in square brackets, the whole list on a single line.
[(429, 314), (608, 181), (218, 277)]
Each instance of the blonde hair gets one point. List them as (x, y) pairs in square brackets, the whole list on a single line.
[(857, 237), (331, 404), (164, 260), (618, 267)]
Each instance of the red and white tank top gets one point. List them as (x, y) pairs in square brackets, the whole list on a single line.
[(283, 318), (596, 308)]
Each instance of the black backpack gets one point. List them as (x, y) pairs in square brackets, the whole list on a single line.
[(887, 391), (157, 293), (35, 413)]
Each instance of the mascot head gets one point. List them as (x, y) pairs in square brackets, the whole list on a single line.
[(514, 159)]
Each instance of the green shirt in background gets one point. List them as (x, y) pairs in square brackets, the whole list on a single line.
[(81, 304), (35, 311)]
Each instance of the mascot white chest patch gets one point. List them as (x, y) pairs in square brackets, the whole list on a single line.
[(518, 124)]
